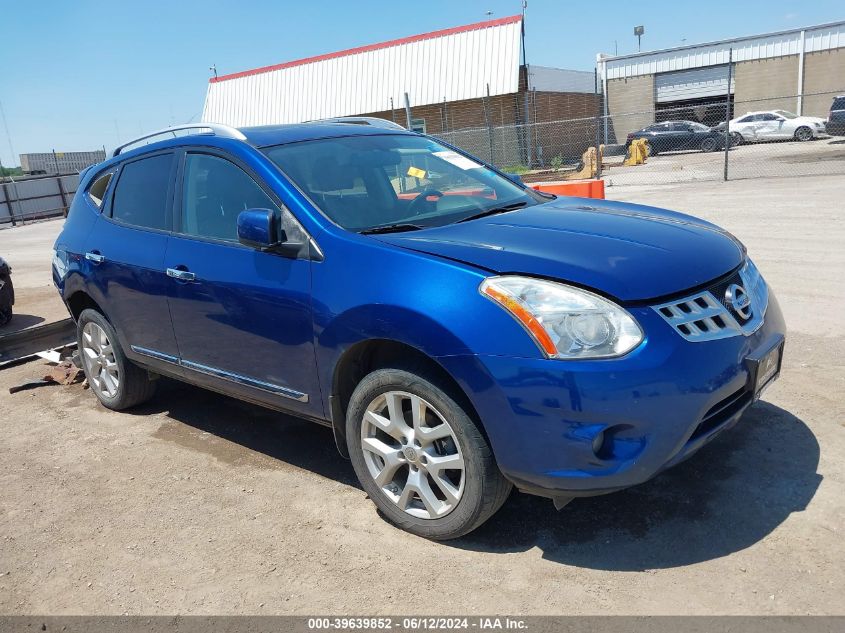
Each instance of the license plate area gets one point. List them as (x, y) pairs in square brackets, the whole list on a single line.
[(764, 365)]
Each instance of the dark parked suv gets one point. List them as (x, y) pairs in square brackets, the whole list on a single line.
[(836, 117)]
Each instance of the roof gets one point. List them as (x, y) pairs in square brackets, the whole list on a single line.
[(266, 135), (465, 62), (371, 47), (819, 37), (258, 136)]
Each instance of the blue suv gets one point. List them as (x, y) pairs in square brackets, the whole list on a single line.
[(460, 333)]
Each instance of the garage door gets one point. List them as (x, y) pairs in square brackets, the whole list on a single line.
[(697, 83)]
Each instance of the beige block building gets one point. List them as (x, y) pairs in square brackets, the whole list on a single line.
[(800, 70)]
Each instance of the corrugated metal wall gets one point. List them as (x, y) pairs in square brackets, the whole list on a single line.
[(36, 197), (825, 37), (459, 64)]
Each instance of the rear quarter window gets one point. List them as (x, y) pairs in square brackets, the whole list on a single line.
[(97, 190), (838, 104), (141, 194)]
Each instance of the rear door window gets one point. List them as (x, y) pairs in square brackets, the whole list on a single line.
[(142, 193)]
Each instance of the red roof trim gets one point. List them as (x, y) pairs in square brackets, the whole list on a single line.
[(372, 47)]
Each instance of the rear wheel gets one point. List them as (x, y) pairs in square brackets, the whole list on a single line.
[(708, 145), (420, 457), (115, 380), (803, 133)]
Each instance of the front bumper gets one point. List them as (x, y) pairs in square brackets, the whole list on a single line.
[(652, 408)]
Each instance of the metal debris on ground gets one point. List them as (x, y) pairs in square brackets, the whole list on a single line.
[(64, 373)]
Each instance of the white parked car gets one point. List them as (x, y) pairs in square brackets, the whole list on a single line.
[(773, 125)]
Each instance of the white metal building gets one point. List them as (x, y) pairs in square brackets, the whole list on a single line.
[(798, 70), (466, 62)]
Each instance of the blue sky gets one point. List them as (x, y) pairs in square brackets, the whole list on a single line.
[(80, 75)]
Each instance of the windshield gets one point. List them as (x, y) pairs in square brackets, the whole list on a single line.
[(698, 127), (786, 115), (365, 182)]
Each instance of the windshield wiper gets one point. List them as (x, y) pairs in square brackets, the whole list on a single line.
[(494, 211), (391, 228)]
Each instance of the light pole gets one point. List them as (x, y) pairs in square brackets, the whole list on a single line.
[(638, 31)]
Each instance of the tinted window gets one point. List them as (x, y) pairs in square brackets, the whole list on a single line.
[(97, 191), (746, 119), (838, 104), (215, 192), (140, 197)]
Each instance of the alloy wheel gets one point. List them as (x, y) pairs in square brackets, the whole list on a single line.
[(100, 362), (803, 134), (413, 454)]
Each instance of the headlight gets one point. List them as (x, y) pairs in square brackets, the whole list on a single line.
[(564, 321)]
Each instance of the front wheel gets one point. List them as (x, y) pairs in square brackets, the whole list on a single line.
[(736, 139), (803, 133), (420, 457)]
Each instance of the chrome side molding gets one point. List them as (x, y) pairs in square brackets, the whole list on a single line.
[(224, 375)]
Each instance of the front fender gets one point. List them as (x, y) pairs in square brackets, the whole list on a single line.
[(367, 290)]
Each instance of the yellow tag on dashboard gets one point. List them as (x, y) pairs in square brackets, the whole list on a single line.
[(416, 172)]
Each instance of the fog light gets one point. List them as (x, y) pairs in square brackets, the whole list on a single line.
[(598, 443)]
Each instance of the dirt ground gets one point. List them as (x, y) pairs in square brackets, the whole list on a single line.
[(197, 503)]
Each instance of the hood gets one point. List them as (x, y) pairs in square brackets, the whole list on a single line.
[(627, 251)]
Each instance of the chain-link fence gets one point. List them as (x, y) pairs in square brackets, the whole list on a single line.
[(687, 142)]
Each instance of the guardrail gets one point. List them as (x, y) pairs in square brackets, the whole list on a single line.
[(19, 345)]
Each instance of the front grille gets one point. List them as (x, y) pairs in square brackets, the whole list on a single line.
[(708, 315), (699, 317), (722, 412)]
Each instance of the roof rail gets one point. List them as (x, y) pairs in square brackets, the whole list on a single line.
[(215, 129), (363, 120)]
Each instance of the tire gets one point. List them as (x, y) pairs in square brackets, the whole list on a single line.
[(650, 150), (708, 145), (7, 294), (803, 133), (475, 491), (116, 381), (737, 139)]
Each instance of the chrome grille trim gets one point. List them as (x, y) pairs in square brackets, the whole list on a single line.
[(695, 322), (704, 316)]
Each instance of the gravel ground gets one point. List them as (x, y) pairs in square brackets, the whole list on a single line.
[(197, 503)]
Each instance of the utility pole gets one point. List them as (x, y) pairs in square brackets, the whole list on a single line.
[(728, 110)]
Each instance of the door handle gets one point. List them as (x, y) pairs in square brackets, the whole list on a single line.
[(95, 257), (181, 275)]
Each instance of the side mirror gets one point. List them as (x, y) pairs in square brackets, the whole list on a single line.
[(257, 229), (515, 178)]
